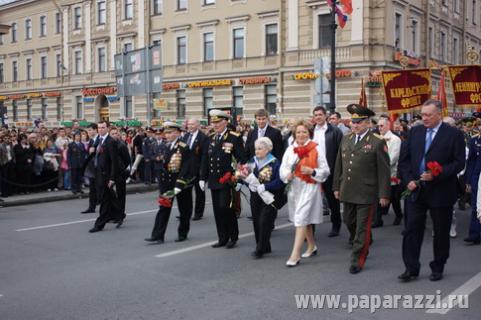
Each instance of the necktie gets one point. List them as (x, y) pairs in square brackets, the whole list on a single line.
[(261, 133), (97, 151), (427, 144), (358, 138), (189, 140), (217, 138)]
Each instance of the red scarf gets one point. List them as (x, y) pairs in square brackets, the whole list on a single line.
[(308, 157)]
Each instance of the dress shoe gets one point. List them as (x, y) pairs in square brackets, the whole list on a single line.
[(309, 254), (292, 264), (119, 223), (154, 240), (95, 229), (88, 211), (180, 239), (436, 276), (355, 269), (333, 233), (397, 221), (407, 276), (196, 218), (472, 240), (231, 244), (219, 244)]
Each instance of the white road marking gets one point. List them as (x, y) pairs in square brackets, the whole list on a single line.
[(465, 289), (79, 221), (208, 244)]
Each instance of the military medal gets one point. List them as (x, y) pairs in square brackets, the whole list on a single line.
[(175, 162)]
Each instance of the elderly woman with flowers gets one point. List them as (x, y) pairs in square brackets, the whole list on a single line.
[(304, 168), (261, 174)]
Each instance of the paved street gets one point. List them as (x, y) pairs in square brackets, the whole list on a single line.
[(52, 268)]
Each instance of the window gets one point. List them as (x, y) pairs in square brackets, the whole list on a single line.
[(78, 62), (208, 100), (78, 107), (43, 26), (209, 46), (157, 6), (238, 99), (58, 23), (101, 12), (128, 107), (208, 2), (181, 5), (44, 104), (181, 50), (43, 67), (29, 109), (398, 31), (59, 109), (15, 110), (271, 98), (28, 29), (238, 43), (128, 47), (77, 18), (157, 113), (2, 78), (101, 60), (271, 39), (414, 35), (128, 9), (28, 69), (157, 43), (58, 63), (14, 71), (442, 46), (473, 12), (180, 103), (325, 31), (1, 38), (14, 32), (455, 51), (430, 41)]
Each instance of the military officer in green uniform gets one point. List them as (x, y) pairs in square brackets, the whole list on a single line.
[(225, 149), (361, 179)]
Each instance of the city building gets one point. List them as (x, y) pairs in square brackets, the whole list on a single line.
[(57, 57)]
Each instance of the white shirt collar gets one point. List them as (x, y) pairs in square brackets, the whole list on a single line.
[(361, 136), (323, 127), (436, 128)]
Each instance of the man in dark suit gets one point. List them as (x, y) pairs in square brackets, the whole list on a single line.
[(198, 144), (264, 130), (89, 169), (76, 156), (329, 137), (434, 141), (106, 163), (124, 162)]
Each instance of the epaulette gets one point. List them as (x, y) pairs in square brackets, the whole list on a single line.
[(182, 144), (235, 133), (378, 136), (212, 134)]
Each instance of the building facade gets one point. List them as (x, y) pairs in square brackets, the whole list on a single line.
[(57, 60)]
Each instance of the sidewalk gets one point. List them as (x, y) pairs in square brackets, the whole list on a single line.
[(40, 197)]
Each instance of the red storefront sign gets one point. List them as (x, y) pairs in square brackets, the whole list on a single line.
[(255, 80)]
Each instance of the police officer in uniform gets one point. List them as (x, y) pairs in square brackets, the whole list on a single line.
[(225, 147), (175, 174), (361, 179)]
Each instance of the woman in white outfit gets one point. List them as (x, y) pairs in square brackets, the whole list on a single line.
[(304, 167)]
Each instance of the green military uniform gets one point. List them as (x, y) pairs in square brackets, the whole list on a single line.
[(361, 176)]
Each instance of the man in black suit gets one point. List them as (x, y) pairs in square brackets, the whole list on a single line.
[(106, 163), (264, 130), (198, 144), (124, 162), (89, 170), (76, 156), (434, 141), (329, 137)]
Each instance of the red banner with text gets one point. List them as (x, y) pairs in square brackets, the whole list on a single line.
[(466, 82)]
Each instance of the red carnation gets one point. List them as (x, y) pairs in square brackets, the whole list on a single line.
[(225, 178), (395, 180), (164, 202), (435, 168)]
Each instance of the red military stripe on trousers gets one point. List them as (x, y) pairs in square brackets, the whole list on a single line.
[(367, 237)]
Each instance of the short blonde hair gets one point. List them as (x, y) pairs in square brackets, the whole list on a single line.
[(265, 142)]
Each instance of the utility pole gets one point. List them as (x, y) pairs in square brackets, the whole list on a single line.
[(333, 25)]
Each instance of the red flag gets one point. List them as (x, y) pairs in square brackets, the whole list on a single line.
[(363, 97), (341, 17), (442, 95), (347, 6)]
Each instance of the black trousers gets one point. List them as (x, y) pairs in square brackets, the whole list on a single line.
[(263, 217), (224, 214), (333, 203), (24, 176), (184, 201), (121, 188), (8, 175), (395, 202), (76, 175), (109, 204), (199, 200), (92, 194), (414, 233)]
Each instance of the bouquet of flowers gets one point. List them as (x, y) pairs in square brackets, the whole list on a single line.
[(165, 199), (301, 152), (434, 168)]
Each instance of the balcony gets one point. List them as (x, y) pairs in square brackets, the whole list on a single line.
[(307, 57)]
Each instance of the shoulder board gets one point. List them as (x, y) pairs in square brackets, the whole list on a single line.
[(182, 144), (378, 136), (351, 135), (212, 134), (235, 133)]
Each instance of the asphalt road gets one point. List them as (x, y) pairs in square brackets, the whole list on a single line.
[(52, 268)]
